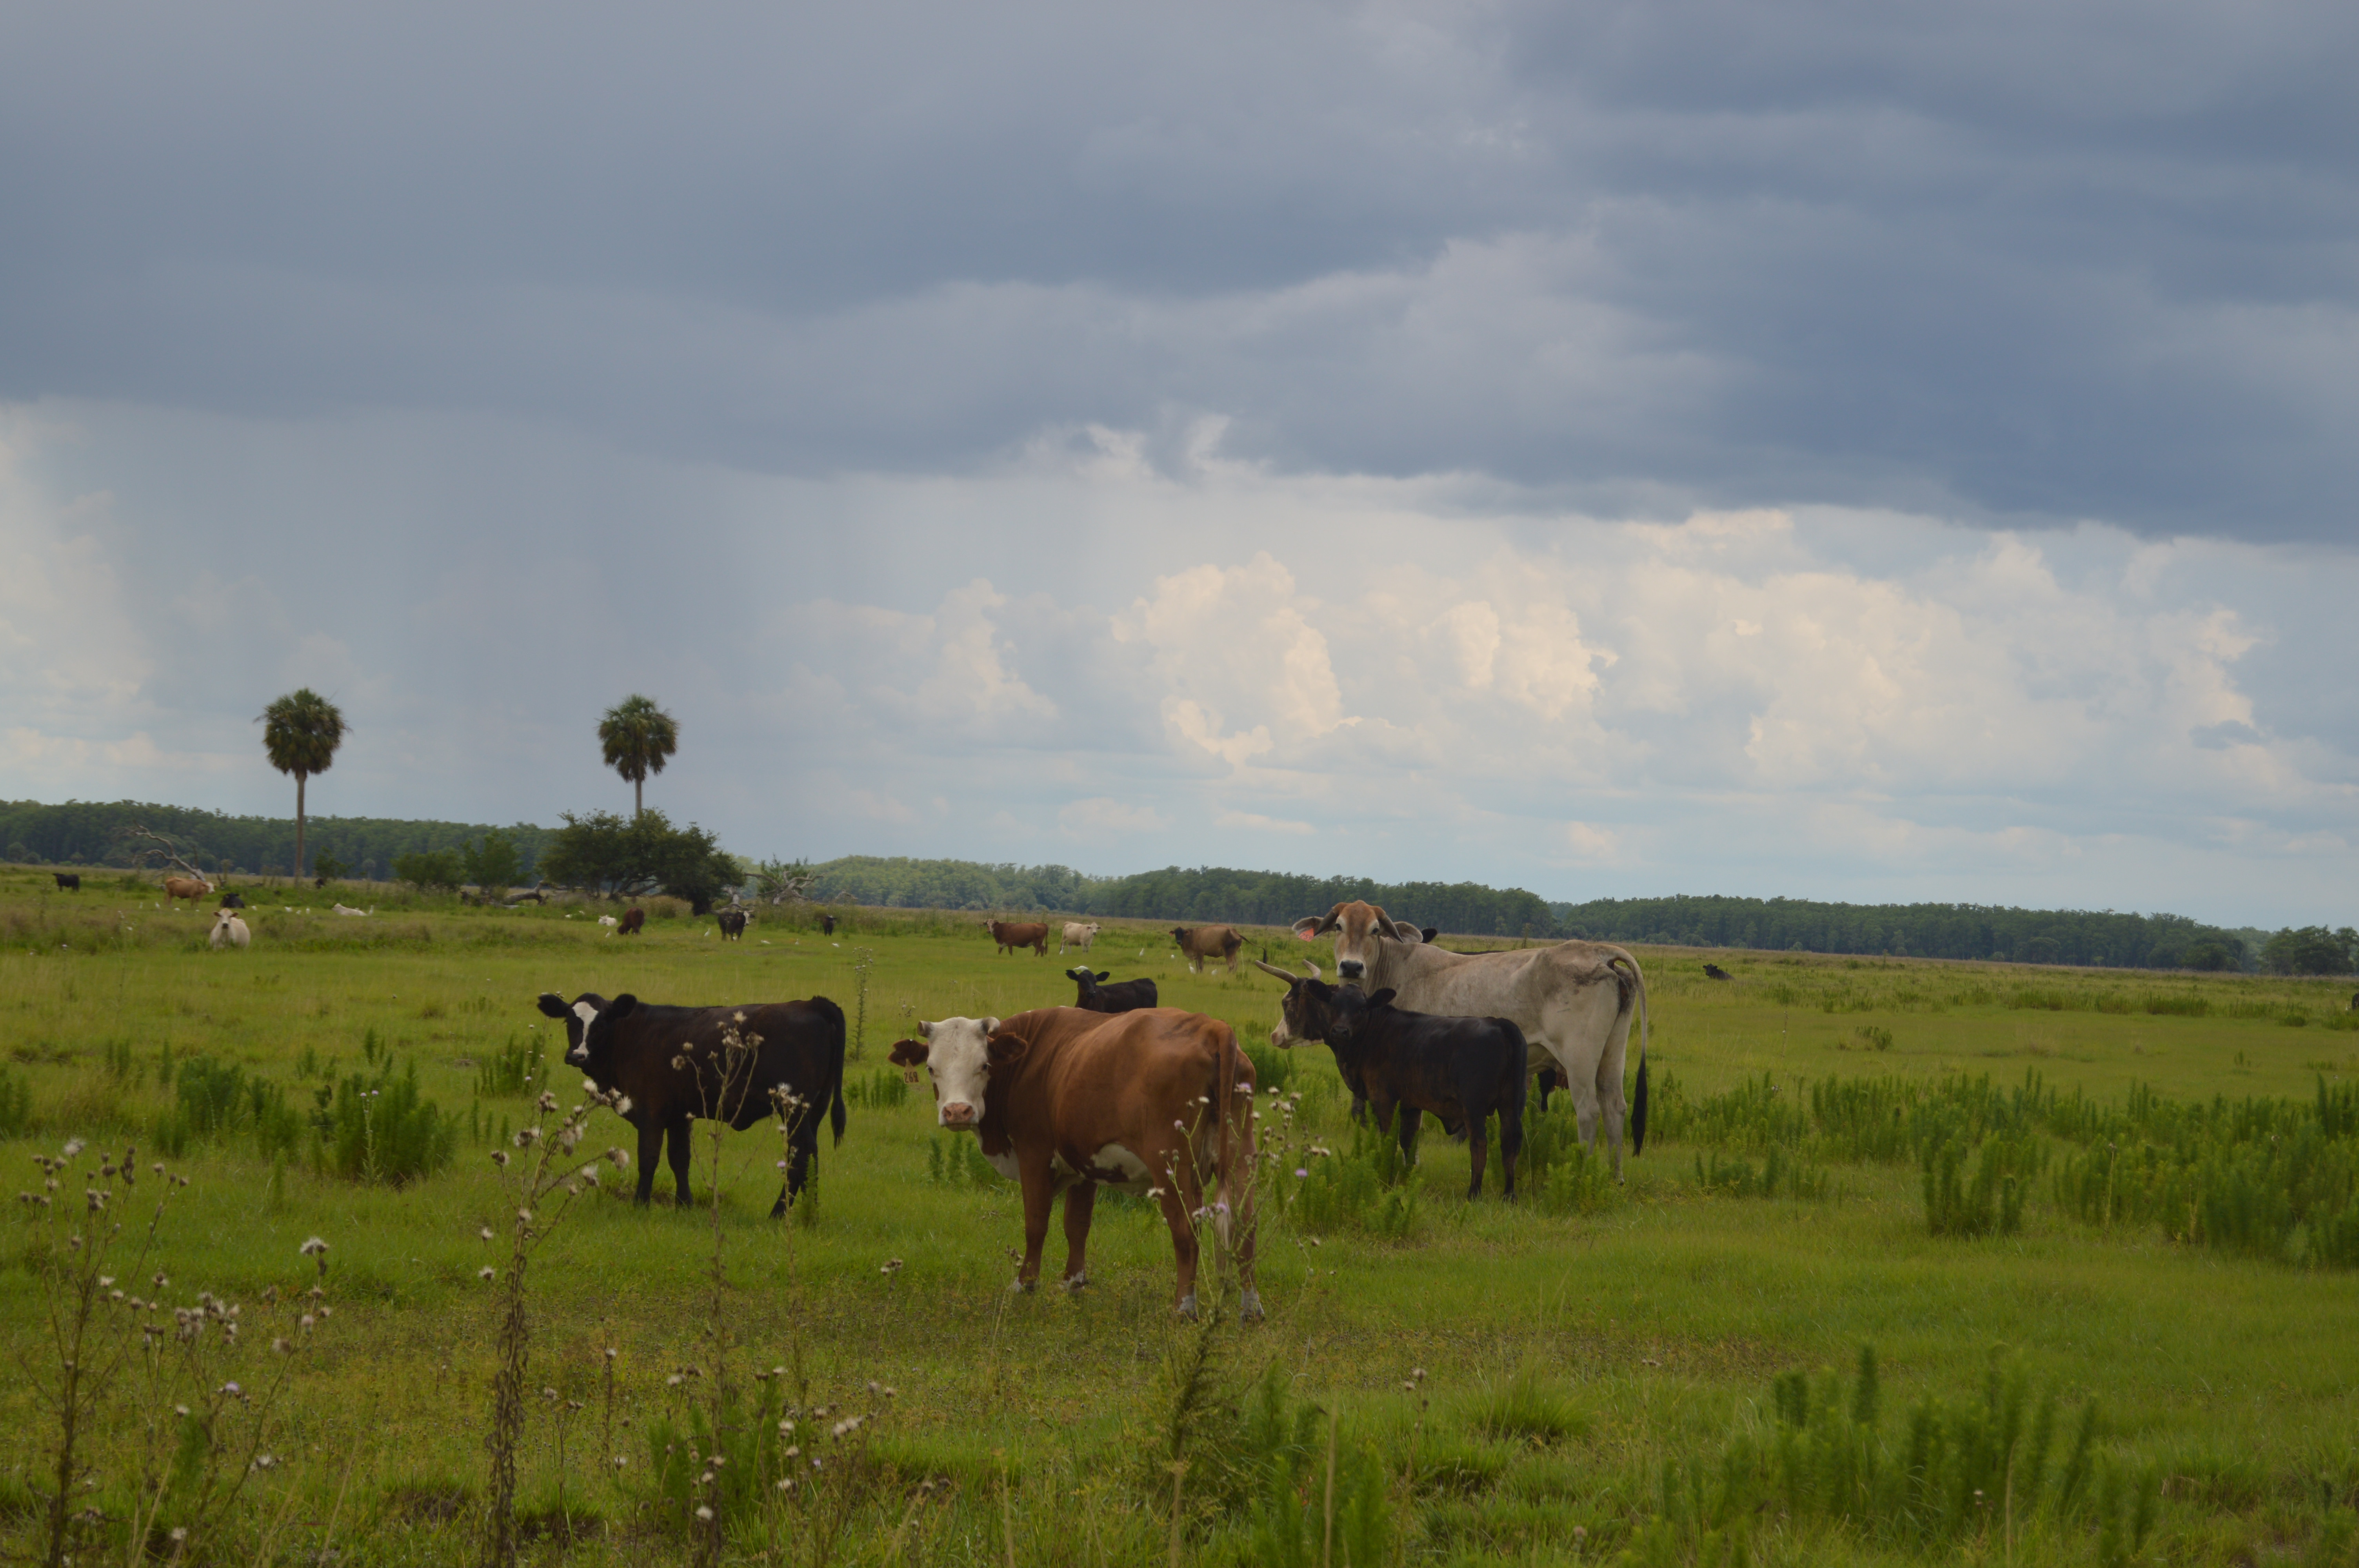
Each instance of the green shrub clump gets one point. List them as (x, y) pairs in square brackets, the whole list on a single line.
[(382, 1130)]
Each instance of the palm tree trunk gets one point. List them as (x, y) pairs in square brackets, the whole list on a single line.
[(638, 797), (298, 828)]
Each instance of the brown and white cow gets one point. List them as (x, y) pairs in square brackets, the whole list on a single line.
[(1011, 934), (1078, 934), (1158, 1102), (189, 888), (1201, 944), (1573, 1001)]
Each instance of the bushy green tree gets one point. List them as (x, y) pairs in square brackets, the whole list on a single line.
[(643, 855), (2311, 950), (428, 868), (493, 864)]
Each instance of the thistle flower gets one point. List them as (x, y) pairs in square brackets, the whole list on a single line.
[(314, 1248), (486, 1273), (500, 1157), (73, 1147), (486, 1233)]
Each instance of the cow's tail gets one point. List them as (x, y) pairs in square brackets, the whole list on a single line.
[(1638, 1096), (835, 1115)]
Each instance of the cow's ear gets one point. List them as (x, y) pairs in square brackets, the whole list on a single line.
[(1105, 975), (908, 1053), (925, 1030), (1307, 928), (553, 1006), (1381, 997), (1405, 932), (1002, 1050), (622, 1006)]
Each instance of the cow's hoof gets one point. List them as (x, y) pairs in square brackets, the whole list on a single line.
[(1074, 1283), (1249, 1306), (1188, 1307), (1019, 1288)]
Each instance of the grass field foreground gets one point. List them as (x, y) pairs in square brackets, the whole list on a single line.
[(1669, 1372)]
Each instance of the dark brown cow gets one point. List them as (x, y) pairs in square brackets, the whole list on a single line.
[(1201, 944), (633, 920), (1156, 1102), (671, 1064), (733, 925), (1012, 934), (68, 882)]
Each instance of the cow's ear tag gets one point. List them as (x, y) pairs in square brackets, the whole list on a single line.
[(908, 1075)]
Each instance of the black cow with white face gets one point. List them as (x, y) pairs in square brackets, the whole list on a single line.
[(671, 1065), (1463, 1070)]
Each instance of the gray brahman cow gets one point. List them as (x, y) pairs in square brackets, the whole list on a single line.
[(1572, 1001)]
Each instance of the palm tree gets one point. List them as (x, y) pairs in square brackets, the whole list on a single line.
[(639, 739), (300, 732)]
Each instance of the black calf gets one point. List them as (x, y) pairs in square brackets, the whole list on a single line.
[(1123, 996), (1463, 1070)]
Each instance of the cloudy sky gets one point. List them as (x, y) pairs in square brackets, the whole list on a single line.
[(1832, 449)]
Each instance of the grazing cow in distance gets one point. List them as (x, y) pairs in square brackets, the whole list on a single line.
[(229, 931), (672, 1065), (634, 920), (1158, 1103), (189, 888), (1201, 944), (233, 901), (68, 882), (358, 914), (1125, 996), (1460, 1070), (1078, 936), (1714, 972), (733, 925), (1573, 1000), (1012, 934), (827, 924)]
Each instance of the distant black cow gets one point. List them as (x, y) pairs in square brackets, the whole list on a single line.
[(633, 922), (671, 1062), (827, 924), (1462, 1069), (733, 925), (1123, 996), (1714, 972), (233, 901), (68, 882)]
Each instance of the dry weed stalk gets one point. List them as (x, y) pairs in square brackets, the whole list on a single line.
[(545, 1173), (89, 1318)]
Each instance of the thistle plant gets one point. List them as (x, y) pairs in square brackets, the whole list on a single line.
[(545, 1182), (78, 1251)]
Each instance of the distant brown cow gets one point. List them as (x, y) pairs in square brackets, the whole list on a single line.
[(1012, 934), (633, 920), (1199, 945), (189, 888)]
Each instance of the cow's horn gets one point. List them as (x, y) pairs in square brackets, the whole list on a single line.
[(1274, 972), (1314, 968)]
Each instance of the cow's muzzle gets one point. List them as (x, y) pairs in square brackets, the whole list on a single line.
[(958, 1113), (1351, 969)]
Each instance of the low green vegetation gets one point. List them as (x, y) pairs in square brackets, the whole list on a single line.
[(2093, 1224)]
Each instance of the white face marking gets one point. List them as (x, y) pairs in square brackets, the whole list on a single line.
[(958, 1055), (586, 1013)]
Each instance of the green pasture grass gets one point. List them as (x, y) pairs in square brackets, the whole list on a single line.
[(1564, 1357)]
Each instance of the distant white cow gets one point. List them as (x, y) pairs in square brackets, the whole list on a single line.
[(229, 931), (608, 921), (1079, 935), (363, 914)]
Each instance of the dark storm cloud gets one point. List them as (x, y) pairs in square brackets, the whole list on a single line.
[(2043, 262)]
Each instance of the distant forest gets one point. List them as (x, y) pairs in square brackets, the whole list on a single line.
[(1270, 897), (88, 832)]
